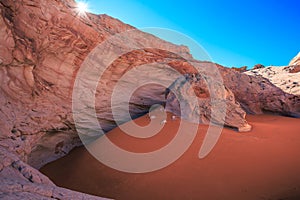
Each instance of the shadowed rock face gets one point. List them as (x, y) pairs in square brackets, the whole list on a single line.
[(258, 95), (21, 181), (199, 110), (42, 46)]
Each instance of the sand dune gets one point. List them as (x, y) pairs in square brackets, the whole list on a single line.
[(261, 164)]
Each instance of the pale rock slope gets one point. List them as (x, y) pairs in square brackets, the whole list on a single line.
[(295, 60), (286, 78)]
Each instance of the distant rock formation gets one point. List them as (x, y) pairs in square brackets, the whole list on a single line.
[(258, 66), (241, 69), (287, 78), (258, 95), (295, 60)]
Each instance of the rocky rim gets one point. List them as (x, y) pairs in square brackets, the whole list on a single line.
[(42, 46)]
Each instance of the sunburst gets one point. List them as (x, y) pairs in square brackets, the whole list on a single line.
[(81, 8)]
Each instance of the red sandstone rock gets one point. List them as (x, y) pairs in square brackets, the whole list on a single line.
[(293, 69), (241, 69), (42, 46), (258, 66)]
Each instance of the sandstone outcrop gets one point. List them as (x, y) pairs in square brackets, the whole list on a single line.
[(258, 66), (21, 181), (286, 78), (293, 69), (295, 60), (241, 69), (180, 102), (43, 45), (258, 95)]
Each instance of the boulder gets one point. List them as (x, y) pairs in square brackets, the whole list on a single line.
[(258, 66)]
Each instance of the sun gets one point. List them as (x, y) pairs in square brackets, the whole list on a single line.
[(81, 8)]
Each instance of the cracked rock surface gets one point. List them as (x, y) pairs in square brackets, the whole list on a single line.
[(43, 44), (287, 78), (21, 181)]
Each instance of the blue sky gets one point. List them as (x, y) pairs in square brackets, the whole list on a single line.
[(234, 33)]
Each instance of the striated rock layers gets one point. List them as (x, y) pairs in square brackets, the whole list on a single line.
[(43, 43), (229, 111), (258, 95), (295, 60)]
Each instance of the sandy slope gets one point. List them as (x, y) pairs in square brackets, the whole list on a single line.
[(261, 164)]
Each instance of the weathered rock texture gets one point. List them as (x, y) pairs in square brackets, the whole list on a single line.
[(229, 112), (258, 66), (20, 181), (258, 95), (42, 46), (295, 60), (286, 78), (241, 69)]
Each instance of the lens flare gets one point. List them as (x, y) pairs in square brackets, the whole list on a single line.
[(82, 8)]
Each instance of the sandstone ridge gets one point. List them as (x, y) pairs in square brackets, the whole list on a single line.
[(44, 43)]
